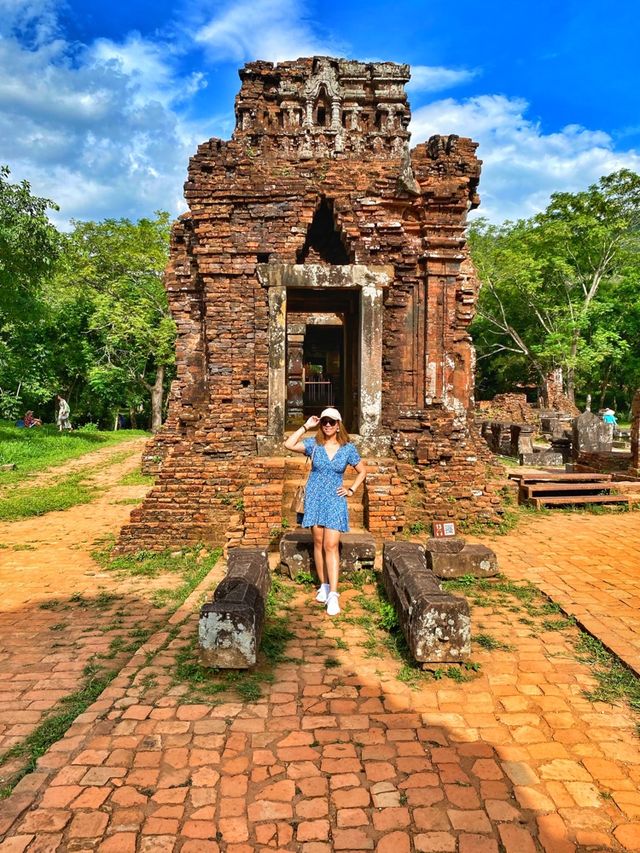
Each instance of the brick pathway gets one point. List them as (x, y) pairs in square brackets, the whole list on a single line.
[(58, 607), (590, 565), (344, 757)]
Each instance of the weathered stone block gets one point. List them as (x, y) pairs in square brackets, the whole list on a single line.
[(231, 626), (544, 457), (448, 545), (357, 551), (591, 435), (471, 559), (436, 625)]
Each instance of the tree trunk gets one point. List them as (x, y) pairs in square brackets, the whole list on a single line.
[(156, 399)]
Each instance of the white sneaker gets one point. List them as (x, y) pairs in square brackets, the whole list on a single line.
[(333, 607), (323, 593)]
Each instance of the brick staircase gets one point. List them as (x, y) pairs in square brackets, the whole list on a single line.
[(546, 489), (377, 507)]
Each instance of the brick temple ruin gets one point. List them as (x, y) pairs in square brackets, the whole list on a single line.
[(322, 262)]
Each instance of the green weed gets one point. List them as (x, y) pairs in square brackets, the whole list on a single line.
[(486, 641), (615, 681)]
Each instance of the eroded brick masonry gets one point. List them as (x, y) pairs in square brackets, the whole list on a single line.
[(321, 261)]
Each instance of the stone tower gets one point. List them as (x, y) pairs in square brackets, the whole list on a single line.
[(322, 262)]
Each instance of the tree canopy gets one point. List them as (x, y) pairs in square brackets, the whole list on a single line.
[(84, 313), (561, 290)]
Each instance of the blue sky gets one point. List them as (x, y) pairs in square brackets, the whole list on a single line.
[(101, 104)]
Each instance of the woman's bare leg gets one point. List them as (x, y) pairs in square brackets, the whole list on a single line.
[(318, 555), (331, 544)]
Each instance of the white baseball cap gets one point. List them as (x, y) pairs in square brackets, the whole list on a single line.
[(331, 413)]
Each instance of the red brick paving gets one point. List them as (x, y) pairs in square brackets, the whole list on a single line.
[(350, 758), (50, 622), (590, 565)]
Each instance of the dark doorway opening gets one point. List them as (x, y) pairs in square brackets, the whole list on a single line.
[(323, 352)]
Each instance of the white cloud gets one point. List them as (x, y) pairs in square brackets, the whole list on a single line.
[(435, 78), (273, 30), (522, 165), (96, 128)]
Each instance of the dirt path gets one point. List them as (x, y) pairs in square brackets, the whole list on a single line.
[(58, 607), (94, 459)]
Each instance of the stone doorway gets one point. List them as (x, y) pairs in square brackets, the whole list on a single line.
[(352, 290), (322, 355)]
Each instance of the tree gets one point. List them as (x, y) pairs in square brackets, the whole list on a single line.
[(118, 267), (554, 286), (29, 245)]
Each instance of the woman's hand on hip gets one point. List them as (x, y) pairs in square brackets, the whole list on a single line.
[(342, 491)]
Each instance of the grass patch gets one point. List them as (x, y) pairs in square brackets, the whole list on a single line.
[(33, 450), (137, 478), (67, 492), (616, 683), (486, 641)]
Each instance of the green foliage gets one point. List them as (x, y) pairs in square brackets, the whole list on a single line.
[(29, 245), (110, 274), (561, 290)]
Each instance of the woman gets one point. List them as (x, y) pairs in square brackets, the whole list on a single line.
[(64, 413), (325, 505)]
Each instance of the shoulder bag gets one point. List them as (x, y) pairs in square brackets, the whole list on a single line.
[(297, 504)]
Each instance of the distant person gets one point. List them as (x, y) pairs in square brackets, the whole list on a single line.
[(609, 417), (64, 413), (30, 421)]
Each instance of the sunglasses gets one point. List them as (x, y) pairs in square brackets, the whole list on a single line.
[(329, 421)]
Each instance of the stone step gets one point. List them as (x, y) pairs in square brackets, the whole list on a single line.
[(546, 476), (578, 500), (539, 489)]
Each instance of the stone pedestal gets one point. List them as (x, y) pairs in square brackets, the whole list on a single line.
[(436, 625), (591, 435), (446, 559), (230, 627), (521, 439), (357, 552)]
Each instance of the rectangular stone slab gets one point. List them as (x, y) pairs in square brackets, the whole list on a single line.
[(357, 552), (472, 559), (436, 625), (231, 626)]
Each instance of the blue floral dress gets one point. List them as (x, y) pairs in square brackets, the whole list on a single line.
[(322, 506)]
